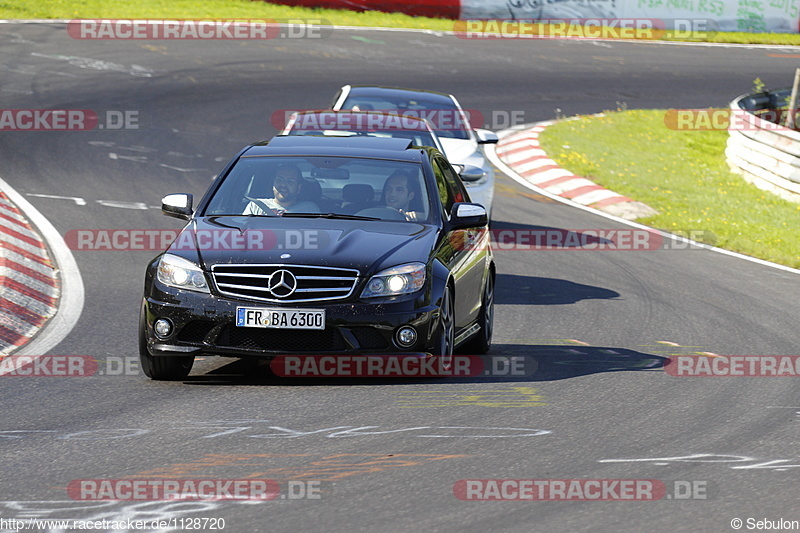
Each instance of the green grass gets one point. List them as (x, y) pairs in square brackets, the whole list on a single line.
[(246, 9), (681, 174), (207, 9)]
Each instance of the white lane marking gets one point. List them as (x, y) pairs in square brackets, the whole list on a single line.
[(97, 64), (134, 158), (112, 144), (18, 39), (778, 465), (137, 148), (287, 433), (178, 154), (79, 201), (123, 205), (64, 74), (179, 169), (508, 171), (72, 290)]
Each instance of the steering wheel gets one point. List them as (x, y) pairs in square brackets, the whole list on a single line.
[(384, 213)]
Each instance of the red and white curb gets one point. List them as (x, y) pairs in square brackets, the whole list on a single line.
[(29, 284), (521, 152)]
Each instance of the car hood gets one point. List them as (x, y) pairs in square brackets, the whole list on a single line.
[(368, 246), (458, 151)]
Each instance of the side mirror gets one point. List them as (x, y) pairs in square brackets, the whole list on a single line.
[(486, 137), (471, 173), (177, 205), (467, 215)]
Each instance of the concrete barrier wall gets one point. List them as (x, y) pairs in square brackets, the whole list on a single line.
[(764, 153)]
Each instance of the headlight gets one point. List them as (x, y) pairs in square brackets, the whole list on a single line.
[(178, 272), (403, 279)]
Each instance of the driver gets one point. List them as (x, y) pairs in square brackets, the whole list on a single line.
[(399, 193), (287, 190)]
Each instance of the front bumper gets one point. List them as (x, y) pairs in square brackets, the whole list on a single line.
[(205, 324)]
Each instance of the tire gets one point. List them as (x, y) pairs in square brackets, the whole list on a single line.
[(482, 342), (446, 330), (166, 368)]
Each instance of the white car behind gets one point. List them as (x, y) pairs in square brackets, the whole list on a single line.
[(461, 142)]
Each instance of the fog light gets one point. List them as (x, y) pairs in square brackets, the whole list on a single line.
[(406, 336), (163, 328)]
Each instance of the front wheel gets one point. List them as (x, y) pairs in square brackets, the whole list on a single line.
[(483, 340), (446, 331), (166, 368)]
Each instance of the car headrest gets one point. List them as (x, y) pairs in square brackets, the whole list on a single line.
[(312, 190), (358, 193)]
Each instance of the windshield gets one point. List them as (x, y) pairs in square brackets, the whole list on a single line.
[(297, 186), (447, 120)]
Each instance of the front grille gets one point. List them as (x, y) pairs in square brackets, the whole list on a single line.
[(195, 331), (369, 338), (309, 283), (281, 340)]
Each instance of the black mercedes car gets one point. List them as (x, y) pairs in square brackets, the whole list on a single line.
[(321, 245)]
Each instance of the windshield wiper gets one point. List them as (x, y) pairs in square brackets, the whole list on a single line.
[(338, 216)]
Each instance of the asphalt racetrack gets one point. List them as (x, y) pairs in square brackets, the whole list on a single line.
[(591, 329)]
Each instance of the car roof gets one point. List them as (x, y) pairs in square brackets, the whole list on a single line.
[(424, 124), (400, 92), (307, 145)]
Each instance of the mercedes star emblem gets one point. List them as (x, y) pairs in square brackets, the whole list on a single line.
[(282, 283)]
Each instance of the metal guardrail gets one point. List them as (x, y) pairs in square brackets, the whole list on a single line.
[(764, 153)]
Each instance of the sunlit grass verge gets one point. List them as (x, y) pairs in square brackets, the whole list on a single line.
[(681, 174), (246, 9), (207, 9)]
